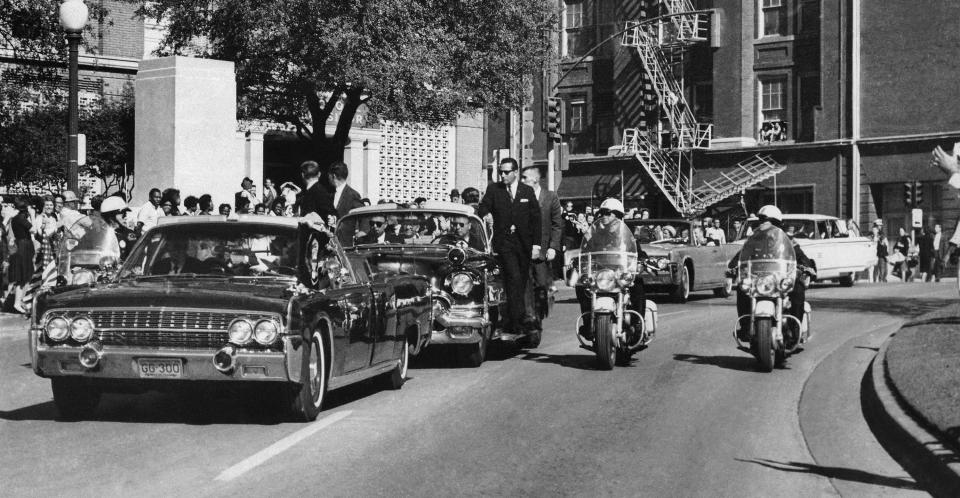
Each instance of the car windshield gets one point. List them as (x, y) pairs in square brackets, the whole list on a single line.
[(660, 231), (799, 229), (215, 249), (412, 227)]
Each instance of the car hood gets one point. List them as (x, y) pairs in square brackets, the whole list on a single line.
[(254, 296)]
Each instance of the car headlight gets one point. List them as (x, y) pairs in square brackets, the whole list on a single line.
[(663, 263), (240, 331), (461, 283), (606, 280), (766, 284), (626, 279), (786, 285), (81, 329), (266, 332), (746, 284), (57, 328)]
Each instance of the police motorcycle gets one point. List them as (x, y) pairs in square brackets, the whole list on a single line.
[(607, 268), (767, 273), (89, 252)]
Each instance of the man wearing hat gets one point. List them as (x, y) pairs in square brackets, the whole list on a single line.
[(69, 215), (455, 196)]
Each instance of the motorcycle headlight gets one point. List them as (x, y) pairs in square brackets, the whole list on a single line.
[(626, 279), (786, 285), (746, 284), (606, 280), (461, 283), (57, 328), (240, 331), (766, 285), (266, 332), (81, 329), (663, 263)]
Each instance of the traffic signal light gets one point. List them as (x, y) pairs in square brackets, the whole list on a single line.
[(908, 194), (555, 121), (917, 193)]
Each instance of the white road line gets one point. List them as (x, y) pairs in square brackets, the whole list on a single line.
[(280, 446), (661, 315)]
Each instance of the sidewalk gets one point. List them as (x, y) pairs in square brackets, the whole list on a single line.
[(12, 325), (912, 398)]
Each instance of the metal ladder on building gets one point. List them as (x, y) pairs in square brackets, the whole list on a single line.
[(745, 174), (660, 45)]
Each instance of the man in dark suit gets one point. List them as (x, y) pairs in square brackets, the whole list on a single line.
[(378, 233), (551, 233), (941, 247), (315, 197), (516, 236), (345, 198)]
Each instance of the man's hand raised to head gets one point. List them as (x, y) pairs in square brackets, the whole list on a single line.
[(944, 160)]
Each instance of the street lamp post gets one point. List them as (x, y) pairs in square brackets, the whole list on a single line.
[(73, 18)]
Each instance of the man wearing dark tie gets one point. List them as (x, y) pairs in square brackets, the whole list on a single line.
[(516, 236), (551, 231)]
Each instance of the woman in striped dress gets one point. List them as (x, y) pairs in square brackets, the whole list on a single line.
[(45, 230)]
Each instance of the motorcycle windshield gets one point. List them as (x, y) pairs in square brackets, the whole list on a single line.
[(768, 251), (608, 247), (86, 243)]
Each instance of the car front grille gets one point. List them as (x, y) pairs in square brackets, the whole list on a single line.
[(164, 328), (163, 339)]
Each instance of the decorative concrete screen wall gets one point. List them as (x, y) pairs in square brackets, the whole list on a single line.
[(417, 161)]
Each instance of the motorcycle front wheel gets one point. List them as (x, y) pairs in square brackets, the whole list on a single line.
[(763, 343), (603, 340)]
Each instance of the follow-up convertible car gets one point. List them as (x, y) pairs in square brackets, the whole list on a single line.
[(253, 301), (448, 244), (684, 266)]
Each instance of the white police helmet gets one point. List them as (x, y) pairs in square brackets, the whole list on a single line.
[(771, 212), (613, 205), (113, 203)]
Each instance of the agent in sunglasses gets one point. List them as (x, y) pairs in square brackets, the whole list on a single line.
[(609, 219), (516, 238), (379, 234), (459, 232)]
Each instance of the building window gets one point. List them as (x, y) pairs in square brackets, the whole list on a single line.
[(572, 28), (773, 127), (773, 18), (577, 110), (703, 101)]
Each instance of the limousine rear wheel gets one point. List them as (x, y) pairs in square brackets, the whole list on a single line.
[(308, 400), (681, 292), (74, 398)]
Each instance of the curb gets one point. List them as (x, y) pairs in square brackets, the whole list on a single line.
[(934, 466)]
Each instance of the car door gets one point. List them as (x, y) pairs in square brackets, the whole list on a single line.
[(383, 312), (353, 302)]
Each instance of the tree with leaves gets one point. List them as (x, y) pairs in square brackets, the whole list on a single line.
[(410, 61)]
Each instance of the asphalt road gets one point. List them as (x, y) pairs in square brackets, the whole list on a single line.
[(689, 417)]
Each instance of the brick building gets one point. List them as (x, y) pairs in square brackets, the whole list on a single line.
[(851, 96)]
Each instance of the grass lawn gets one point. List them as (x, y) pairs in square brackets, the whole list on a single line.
[(923, 362)]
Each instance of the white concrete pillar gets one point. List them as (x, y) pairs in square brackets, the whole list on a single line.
[(185, 134), (371, 156), (253, 157)]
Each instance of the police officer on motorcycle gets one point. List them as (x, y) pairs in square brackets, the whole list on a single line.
[(770, 217), (609, 219)]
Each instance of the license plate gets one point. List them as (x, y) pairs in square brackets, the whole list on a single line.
[(162, 368)]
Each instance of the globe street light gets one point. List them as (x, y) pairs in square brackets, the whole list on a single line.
[(73, 18)]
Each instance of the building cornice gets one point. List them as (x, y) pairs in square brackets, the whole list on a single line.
[(86, 61)]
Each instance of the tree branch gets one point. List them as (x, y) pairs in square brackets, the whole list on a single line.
[(342, 135)]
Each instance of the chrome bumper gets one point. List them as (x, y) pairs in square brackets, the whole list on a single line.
[(458, 329), (121, 363)]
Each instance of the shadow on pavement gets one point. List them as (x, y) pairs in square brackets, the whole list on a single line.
[(841, 473), (895, 306), (578, 361), (192, 407), (445, 356), (740, 363)]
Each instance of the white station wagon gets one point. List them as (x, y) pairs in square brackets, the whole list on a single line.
[(838, 252)]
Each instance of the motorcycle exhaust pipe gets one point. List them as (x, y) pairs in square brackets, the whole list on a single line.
[(225, 359)]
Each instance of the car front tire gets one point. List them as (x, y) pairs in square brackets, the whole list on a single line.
[(308, 398), (681, 292)]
